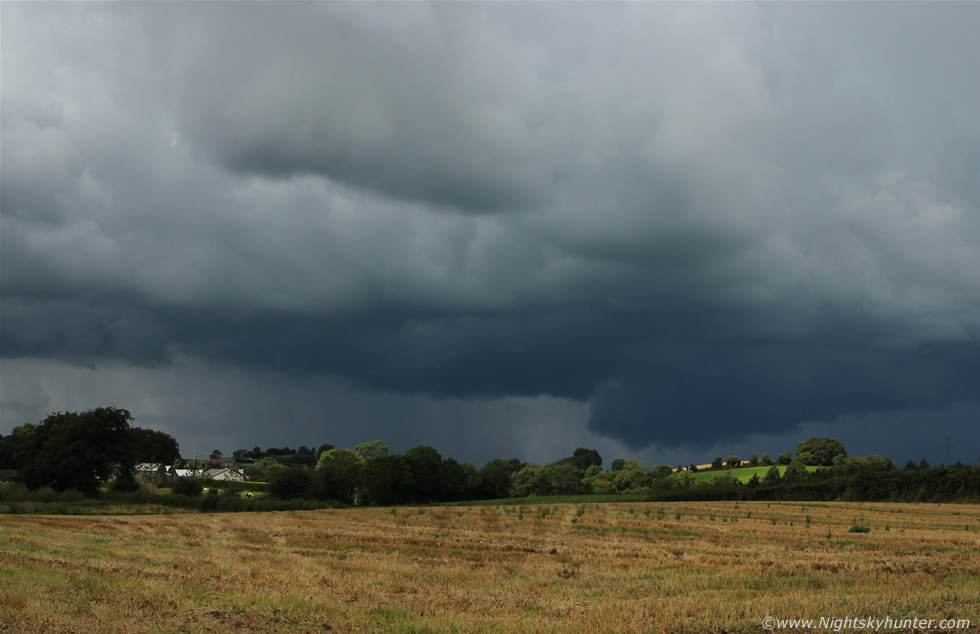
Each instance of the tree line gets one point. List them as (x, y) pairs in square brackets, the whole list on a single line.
[(82, 451), (849, 478), (370, 474)]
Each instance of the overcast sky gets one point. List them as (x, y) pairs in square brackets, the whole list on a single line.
[(663, 230)]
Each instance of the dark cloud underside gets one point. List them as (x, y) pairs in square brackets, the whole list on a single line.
[(701, 221)]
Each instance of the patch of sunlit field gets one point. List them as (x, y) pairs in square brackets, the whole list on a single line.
[(616, 567)]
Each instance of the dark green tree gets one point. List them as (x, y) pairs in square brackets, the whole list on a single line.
[(564, 479), (387, 480), (368, 450), (71, 450), (12, 445), (338, 475), (868, 463), (304, 458), (583, 458), (496, 478), (262, 470), (717, 463), (785, 458), (426, 464), (190, 487), (796, 471), (531, 480), (630, 476), (290, 483), (772, 476), (819, 452), (460, 481), (155, 446), (766, 460)]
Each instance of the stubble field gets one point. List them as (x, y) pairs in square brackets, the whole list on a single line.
[(650, 567)]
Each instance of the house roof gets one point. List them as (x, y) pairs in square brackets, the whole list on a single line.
[(146, 467), (197, 473)]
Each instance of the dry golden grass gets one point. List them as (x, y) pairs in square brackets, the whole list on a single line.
[(555, 568)]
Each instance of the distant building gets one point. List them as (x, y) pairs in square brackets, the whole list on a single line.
[(214, 474), (151, 474), (223, 474)]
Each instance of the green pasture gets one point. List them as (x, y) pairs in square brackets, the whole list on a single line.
[(742, 474)]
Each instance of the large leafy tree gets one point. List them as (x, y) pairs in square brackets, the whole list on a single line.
[(387, 479), (459, 481), (564, 479), (796, 471), (530, 480), (629, 474), (583, 458), (338, 475), (819, 452), (772, 476), (496, 477), (368, 450), (12, 445), (426, 464), (72, 450), (155, 446), (291, 483)]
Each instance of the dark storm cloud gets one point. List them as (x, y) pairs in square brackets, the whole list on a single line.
[(704, 221), (394, 99), (729, 387)]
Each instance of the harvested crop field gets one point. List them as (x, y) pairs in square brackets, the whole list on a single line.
[(650, 567)]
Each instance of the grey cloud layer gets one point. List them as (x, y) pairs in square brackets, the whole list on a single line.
[(713, 212)]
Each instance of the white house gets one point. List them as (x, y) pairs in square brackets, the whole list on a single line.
[(214, 474), (223, 474)]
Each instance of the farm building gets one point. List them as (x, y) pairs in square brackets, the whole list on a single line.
[(214, 474), (223, 474), (152, 474)]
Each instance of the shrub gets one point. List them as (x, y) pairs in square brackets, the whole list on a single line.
[(71, 495), (191, 487), (44, 494), (859, 529), (210, 501), (13, 493), (126, 482)]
